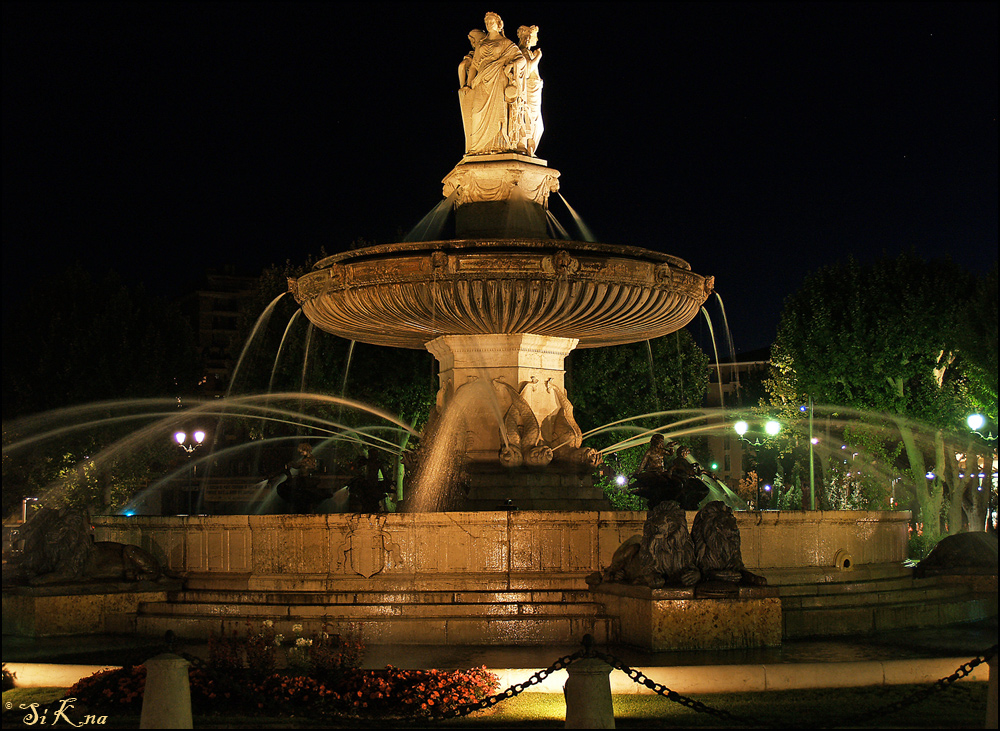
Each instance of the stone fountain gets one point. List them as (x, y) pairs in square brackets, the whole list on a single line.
[(501, 305)]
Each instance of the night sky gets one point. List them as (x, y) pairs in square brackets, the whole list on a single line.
[(757, 141)]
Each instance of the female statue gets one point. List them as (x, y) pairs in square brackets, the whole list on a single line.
[(493, 95), (527, 35)]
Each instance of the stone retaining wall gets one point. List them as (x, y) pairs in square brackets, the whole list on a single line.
[(483, 550)]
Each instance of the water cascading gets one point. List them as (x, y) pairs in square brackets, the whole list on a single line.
[(502, 303)]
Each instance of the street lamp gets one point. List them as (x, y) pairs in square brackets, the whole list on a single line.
[(772, 428), (189, 443), (197, 437), (976, 423)]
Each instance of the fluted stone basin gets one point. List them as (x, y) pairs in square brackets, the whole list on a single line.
[(500, 315), (406, 295)]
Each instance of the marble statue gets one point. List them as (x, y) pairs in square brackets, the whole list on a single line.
[(527, 36), (492, 95)]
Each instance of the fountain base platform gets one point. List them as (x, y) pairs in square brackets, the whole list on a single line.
[(658, 620), (524, 488), (99, 608)]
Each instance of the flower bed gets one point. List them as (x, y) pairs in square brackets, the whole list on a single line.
[(321, 679), (390, 692)]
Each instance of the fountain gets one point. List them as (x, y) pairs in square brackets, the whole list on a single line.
[(501, 305)]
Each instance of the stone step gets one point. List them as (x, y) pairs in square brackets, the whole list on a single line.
[(801, 622), (379, 597), (464, 630), (357, 611), (875, 595)]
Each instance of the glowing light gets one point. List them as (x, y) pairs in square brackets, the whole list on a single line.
[(179, 437), (741, 427), (976, 422), (814, 440), (621, 480), (772, 428), (199, 436)]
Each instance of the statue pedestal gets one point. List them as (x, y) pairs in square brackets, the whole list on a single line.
[(76, 610), (558, 486), (655, 620), (502, 195)]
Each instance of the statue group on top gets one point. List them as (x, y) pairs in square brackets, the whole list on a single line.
[(500, 91)]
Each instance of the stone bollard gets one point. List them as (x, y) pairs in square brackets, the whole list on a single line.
[(991, 698), (166, 701), (588, 695)]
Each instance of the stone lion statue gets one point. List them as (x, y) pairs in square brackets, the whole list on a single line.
[(716, 537), (59, 549), (663, 555), (666, 555)]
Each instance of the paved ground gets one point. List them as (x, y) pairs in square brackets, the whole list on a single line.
[(892, 657)]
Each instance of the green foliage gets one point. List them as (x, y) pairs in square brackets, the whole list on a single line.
[(81, 469), (74, 339), (884, 342), (879, 336), (624, 462), (608, 384)]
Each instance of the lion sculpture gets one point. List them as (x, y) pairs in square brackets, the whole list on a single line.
[(663, 555), (59, 549), (716, 537), (666, 555)]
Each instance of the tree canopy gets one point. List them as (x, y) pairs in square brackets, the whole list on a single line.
[(76, 339), (902, 340)]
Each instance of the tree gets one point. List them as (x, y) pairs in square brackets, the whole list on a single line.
[(75, 340), (879, 345), (280, 351), (607, 385), (665, 374)]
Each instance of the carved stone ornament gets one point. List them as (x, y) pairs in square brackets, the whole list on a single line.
[(563, 263), (489, 180), (368, 545)]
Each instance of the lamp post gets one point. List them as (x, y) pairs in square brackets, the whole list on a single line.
[(189, 443), (976, 423), (771, 427)]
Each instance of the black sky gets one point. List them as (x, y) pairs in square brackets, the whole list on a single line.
[(758, 141)]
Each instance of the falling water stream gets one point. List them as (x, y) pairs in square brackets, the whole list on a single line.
[(715, 348), (584, 229), (258, 326)]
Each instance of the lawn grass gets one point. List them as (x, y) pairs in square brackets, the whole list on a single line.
[(961, 706)]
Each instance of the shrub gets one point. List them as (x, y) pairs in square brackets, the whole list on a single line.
[(390, 692)]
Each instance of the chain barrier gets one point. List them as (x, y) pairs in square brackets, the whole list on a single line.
[(697, 706), (514, 690), (924, 693)]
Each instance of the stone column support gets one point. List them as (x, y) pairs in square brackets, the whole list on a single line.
[(588, 695), (505, 371), (166, 701)]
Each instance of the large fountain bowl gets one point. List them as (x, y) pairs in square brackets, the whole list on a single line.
[(407, 294)]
